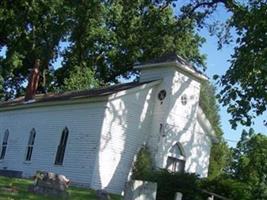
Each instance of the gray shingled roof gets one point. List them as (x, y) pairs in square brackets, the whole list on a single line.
[(170, 57), (74, 95)]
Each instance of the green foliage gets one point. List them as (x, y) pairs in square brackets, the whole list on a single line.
[(80, 78), (249, 163), (106, 36), (227, 187), (220, 153), (29, 30), (244, 83), (169, 183), (143, 164)]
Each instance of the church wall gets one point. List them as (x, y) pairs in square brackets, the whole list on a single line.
[(174, 122), (84, 123), (199, 154), (126, 126)]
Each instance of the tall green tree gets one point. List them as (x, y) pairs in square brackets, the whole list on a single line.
[(118, 34), (243, 85), (220, 153), (107, 37), (249, 163), (29, 30)]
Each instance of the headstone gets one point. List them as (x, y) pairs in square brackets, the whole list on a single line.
[(102, 195), (140, 190), (48, 183), (211, 197), (11, 173), (178, 196)]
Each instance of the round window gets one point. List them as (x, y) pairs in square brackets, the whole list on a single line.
[(184, 99), (162, 94)]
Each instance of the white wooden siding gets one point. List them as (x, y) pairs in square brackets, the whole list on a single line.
[(126, 125), (179, 121), (84, 123)]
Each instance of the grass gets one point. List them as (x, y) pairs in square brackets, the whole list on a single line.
[(17, 189)]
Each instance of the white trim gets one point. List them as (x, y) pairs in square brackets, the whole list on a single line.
[(83, 100), (204, 122), (182, 67)]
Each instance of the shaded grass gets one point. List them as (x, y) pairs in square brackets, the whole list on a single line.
[(17, 189)]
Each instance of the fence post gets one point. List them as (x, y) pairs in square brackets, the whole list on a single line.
[(211, 197), (178, 196)]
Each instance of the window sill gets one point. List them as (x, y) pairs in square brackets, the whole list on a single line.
[(57, 165)]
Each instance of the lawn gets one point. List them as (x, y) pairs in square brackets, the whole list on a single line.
[(16, 189)]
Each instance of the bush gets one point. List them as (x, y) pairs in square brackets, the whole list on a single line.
[(227, 187), (170, 183), (143, 164), (190, 185)]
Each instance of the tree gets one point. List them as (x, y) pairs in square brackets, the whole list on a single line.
[(244, 89), (30, 30), (249, 163), (79, 79), (107, 37), (220, 154), (122, 33)]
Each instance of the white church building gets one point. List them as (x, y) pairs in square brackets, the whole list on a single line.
[(93, 136)]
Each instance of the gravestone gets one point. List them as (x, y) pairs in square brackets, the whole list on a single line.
[(11, 173), (48, 183), (140, 190), (178, 196), (102, 195)]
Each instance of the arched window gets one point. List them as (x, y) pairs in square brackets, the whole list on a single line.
[(4, 145), (61, 147), (30, 145), (176, 158)]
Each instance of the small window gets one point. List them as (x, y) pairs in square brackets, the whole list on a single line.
[(4, 145), (61, 147), (30, 145), (176, 159), (184, 99), (162, 94)]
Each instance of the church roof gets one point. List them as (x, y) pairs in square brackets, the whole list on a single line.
[(73, 95), (172, 58)]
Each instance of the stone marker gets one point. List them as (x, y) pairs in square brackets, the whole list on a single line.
[(140, 190), (178, 196), (48, 183), (102, 195)]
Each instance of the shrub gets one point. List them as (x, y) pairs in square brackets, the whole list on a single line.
[(169, 183), (227, 187), (143, 164)]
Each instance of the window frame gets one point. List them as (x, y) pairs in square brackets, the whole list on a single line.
[(174, 161), (30, 145), (61, 148), (4, 145)]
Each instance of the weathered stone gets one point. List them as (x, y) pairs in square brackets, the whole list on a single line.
[(102, 195), (140, 190), (10, 173), (48, 183), (178, 196)]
